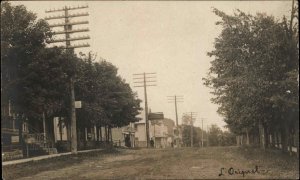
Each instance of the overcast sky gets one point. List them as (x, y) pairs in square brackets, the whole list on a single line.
[(170, 38)]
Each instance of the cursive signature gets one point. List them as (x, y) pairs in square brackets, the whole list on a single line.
[(233, 171)]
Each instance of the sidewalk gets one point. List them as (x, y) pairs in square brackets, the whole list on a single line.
[(19, 161)]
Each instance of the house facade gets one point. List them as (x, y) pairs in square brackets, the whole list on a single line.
[(24, 137), (140, 134), (161, 131), (124, 136)]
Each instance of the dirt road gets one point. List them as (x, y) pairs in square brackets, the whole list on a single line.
[(184, 163)]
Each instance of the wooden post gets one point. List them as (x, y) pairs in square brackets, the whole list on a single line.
[(60, 128), (192, 131), (44, 127), (86, 135), (27, 150)]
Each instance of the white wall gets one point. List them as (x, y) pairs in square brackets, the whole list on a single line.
[(140, 132), (56, 130)]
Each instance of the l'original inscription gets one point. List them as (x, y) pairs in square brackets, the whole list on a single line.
[(243, 172)]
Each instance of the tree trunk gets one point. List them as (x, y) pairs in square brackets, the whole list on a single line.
[(100, 128), (247, 135), (237, 140), (290, 142), (272, 140), (105, 130), (262, 135), (110, 132), (267, 138), (242, 139), (297, 137), (283, 139), (97, 133), (277, 139), (69, 134)]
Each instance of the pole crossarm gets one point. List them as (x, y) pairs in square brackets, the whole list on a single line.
[(69, 39), (68, 24), (72, 31), (175, 99), (76, 46), (192, 115), (143, 77), (69, 16), (143, 81), (66, 8), (142, 74), (146, 85)]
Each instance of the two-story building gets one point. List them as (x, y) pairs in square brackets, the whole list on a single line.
[(161, 131)]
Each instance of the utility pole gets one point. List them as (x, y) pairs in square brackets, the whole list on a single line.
[(207, 135), (192, 118), (67, 31), (202, 133), (142, 80), (175, 99)]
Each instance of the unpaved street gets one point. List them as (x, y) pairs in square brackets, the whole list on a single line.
[(184, 163)]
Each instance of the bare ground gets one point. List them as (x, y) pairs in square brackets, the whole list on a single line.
[(183, 163)]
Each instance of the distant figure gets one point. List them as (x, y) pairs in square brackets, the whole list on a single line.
[(127, 141), (172, 145), (151, 143)]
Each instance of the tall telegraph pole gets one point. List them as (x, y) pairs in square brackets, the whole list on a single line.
[(176, 99), (67, 31), (202, 133), (142, 80), (207, 135), (192, 118)]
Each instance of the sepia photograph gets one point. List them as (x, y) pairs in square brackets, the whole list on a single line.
[(149, 89)]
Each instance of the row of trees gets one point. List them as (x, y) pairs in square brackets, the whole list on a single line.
[(34, 78), (214, 136), (255, 77)]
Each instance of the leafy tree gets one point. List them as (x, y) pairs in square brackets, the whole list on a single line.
[(255, 62), (107, 99), (22, 41), (215, 134), (34, 78)]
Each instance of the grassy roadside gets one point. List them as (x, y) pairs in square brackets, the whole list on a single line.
[(280, 165), (55, 163)]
